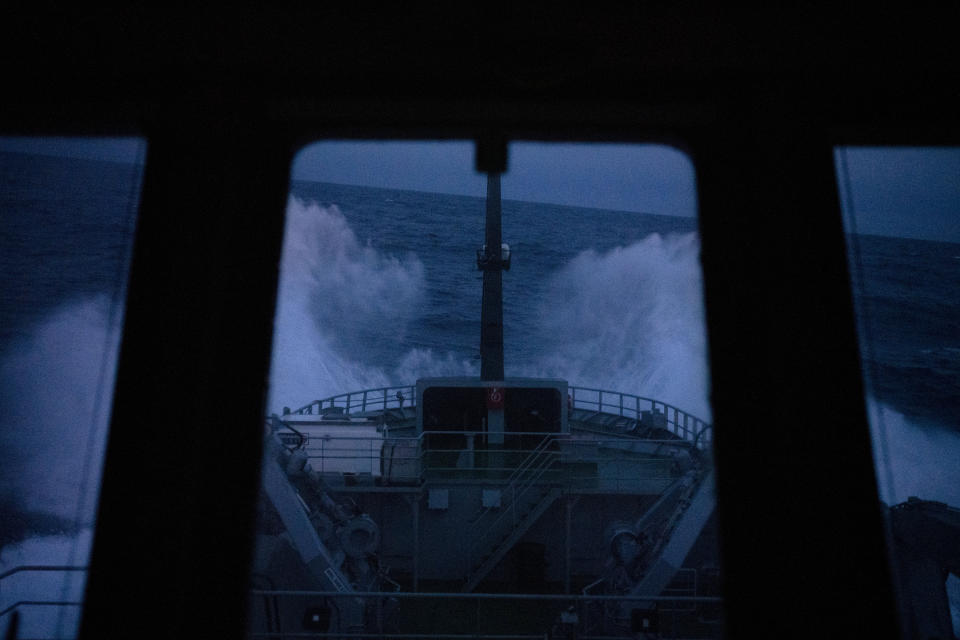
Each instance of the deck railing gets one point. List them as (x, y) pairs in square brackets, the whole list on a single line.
[(379, 399), (521, 487), (617, 464), (608, 413), (677, 421), (33, 598), (473, 616)]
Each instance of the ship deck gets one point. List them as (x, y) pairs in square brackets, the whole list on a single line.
[(611, 442)]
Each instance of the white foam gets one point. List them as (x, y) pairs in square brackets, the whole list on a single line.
[(630, 320), (917, 460), (56, 387), (331, 285), (914, 460), (424, 363)]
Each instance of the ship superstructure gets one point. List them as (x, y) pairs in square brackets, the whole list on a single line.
[(393, 492)]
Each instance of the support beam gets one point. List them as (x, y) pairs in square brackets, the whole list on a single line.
[(491, 317), (797, 501), (414, 502), (570, 502), (172, 546)]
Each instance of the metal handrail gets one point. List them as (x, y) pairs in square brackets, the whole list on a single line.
[(379, 398), (530, 459), (515, 476), (39, 568), (553, 601), (41, 603), (681, 423), (526, 476), (474, 595), (684, 424), (367, 449), (277, 424)]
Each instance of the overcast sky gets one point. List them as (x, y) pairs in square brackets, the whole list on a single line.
[(113, 149), (646, 178), (923, 183), (906, 192)]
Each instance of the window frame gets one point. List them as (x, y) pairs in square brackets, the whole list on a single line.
[(195, 349)]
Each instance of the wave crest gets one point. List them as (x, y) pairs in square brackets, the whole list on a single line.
[(630, 320)]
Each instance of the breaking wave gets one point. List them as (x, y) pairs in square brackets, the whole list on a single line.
[(627, 319), (914, 459), (631, 320), (56, 388), (337, 298), (917, 459)]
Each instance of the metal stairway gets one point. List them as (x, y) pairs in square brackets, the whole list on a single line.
[(526, 501)]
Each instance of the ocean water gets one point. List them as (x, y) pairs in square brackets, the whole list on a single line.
[(380, 287), (384, 286), (65, 236)]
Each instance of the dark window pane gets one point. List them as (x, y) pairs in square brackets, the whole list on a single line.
[(67, 214), (902, 216)]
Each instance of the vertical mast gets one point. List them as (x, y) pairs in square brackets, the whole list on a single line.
[(491, 261)]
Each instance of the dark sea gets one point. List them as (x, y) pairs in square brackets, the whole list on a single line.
[(907, 294), (379, 287)]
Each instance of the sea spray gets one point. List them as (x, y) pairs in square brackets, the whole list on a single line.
[(627, 318), (630, 320), (57, 386), (913, 459), (424, 363), (337, 298)]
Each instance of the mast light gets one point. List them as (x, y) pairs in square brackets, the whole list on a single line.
[(490, 261)]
